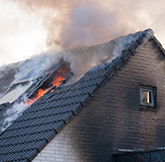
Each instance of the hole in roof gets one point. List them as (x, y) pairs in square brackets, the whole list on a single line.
[(55, 79), (32, 89)]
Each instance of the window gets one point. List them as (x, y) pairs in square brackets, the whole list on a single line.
[(147, 97), (15, 91)]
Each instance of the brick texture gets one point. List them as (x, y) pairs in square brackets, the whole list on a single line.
[(111, 120)]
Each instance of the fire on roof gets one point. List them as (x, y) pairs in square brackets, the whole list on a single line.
[(29, 90)]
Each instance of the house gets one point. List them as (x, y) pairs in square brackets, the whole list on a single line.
[(115, 111)]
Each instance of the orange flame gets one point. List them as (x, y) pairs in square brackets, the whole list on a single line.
[(40, 92), (52, 90), (57, 81), (54, 80)]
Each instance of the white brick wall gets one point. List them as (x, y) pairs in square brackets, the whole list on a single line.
[(59, 149)]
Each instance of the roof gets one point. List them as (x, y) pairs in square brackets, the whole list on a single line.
[(40, 123), (14, 91)]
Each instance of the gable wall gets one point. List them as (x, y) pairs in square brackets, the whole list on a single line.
[(111, 120)]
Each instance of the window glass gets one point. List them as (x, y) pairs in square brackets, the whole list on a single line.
[(147, 96)]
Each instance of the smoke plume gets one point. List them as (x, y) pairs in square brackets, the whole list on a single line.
[(30, 27), (37, 65)]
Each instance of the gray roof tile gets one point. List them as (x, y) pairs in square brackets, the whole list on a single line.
[(133, 47), (125, 55), (117, 63)]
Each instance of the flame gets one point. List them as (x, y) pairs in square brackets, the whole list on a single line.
[(40, 92), (52, 90), (57, 81)]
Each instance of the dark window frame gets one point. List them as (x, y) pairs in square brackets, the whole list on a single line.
[(153, 97)]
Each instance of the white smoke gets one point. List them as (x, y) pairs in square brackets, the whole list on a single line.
[(88, 25), (122, 42), (33, 26), (37, 65), (17, 108), (83, 59), (22, 34), (12, 114)]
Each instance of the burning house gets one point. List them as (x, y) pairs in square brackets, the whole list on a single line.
[(98, 103)]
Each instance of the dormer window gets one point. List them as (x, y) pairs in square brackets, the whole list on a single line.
[(147, 97)]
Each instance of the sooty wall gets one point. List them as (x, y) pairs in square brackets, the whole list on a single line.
[(111, 120)]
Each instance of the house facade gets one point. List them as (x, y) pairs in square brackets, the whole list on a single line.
[(117, 107), (113, 119)]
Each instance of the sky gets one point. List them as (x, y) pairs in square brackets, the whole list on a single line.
[(33, 27)]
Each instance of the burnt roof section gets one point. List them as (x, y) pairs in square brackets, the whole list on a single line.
[(7, 78), (40, 123)]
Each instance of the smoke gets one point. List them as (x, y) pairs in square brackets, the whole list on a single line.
[(87, 26), (123, 41), (74, 23), (12, 114), (83, 59), (30, 27), (22, 34), (37, 65)]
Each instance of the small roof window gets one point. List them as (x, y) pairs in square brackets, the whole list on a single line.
[(147, 97), (15, 91)]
